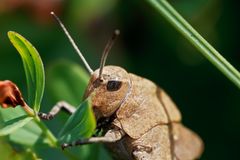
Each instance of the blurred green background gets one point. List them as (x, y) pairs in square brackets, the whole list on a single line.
[(148, 46)]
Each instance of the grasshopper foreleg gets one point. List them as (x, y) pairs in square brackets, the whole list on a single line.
[(111, 136), (61, 105)]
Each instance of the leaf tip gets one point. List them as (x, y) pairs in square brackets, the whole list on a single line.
[(10, 33)]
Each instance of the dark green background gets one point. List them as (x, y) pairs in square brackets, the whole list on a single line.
[(148, 46)]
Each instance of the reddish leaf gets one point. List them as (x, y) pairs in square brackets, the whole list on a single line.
[(10, 95)]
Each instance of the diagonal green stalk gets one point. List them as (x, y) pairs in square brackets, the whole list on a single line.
[(197, 40), (53, 140), (47, 132)]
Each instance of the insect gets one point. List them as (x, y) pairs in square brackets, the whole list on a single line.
[(139, 120)]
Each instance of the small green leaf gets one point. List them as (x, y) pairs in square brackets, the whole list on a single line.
[(29, 134), (33, 67), (14, 124), (66, 81), (7, 114), (80, 124)]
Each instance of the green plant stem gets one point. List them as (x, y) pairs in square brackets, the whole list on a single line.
[(52, 138), (197, 40), (32, 153), (47, 132)]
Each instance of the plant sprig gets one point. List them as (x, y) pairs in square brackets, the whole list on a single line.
[(26, 128)]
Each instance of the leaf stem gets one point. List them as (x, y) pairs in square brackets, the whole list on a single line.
[(47, 132), (197, 40), (52, 138)]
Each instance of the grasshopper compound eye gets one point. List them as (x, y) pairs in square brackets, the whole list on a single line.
[(113, 85)]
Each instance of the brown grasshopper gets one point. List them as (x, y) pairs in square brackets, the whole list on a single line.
[(139, 119)]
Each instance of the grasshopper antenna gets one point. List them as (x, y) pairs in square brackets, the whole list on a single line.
[(106, 50), (72, 42)]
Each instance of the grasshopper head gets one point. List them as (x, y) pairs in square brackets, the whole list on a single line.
[(108, 92)]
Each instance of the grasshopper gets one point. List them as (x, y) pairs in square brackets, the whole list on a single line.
[(139, 120)]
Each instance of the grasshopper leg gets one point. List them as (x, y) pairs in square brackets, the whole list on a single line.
[(61, 105), (111, 136)]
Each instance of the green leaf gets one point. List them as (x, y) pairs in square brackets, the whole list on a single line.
[(80, 124), (8, 114), (197, 40), (33, 67), (66, 81), (14, 124), (29, 134)]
